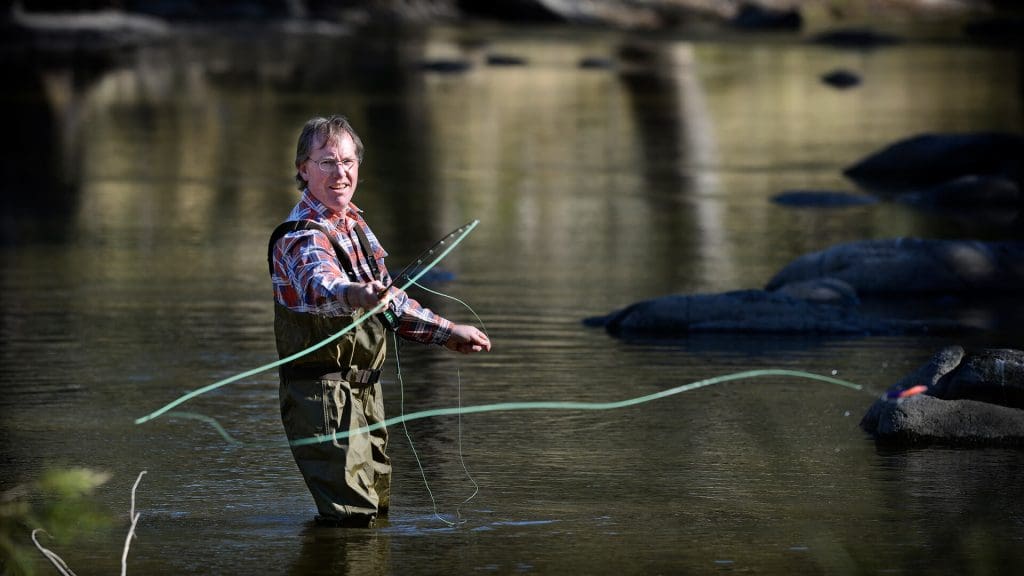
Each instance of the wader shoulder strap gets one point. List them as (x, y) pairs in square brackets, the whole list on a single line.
[(371, 260), (295, 226)]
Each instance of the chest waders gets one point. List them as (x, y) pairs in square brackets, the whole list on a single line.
[(335, 388)]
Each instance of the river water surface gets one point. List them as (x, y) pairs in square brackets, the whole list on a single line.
[(134, 271)]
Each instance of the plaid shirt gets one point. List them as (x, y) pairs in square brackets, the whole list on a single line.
[(308, 277)]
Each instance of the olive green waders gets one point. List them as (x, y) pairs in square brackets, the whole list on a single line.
[(335, 389)]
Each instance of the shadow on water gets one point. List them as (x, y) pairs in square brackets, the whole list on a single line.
[(336, 550)]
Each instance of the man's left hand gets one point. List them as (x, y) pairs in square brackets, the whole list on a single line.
[(467, 339)]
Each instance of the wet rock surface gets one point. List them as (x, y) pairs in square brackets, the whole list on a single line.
[(956, 398)]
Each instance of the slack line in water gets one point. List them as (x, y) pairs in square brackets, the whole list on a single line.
[(411, 273), (551, 405)]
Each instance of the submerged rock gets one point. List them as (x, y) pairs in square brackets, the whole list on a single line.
[(445, 66), (841, 79), (822, 199), (505, 60), (825, 308), (964, 398), (913, 265)]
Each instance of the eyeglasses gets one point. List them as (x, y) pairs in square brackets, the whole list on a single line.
[(330, 163)]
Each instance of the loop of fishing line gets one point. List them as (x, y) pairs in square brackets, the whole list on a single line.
[(405, 428)]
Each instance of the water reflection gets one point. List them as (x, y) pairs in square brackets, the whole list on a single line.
[(342, 551), (958, 514), (136, 272), (47, 180)]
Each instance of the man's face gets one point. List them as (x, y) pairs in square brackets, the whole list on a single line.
[(335, 187)]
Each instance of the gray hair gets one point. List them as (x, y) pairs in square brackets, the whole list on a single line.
[(323, 130)]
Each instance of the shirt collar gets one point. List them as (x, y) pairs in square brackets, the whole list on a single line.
[(342, 220)]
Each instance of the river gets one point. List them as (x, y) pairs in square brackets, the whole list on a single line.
[(134, 271)]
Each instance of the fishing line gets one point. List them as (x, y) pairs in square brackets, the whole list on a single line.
[(419, 464), (543, 405), (401, 388), (450, 297), (581, 406), (451, 240), (462, 458), (209, 420)]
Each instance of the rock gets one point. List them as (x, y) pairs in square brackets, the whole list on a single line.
[(442, 66), (505, 60), (71, 32), (933, 159), (995, 376), (754, 17), (822, 199), (944, 362), (841, 79), (968, 399), (925, 419), (913, 265), (753, 311)]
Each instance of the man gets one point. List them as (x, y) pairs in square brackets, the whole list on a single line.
[(327, 269)]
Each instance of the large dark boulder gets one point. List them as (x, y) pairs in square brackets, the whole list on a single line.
[(955, 398), (913, 265), (932, 159), (799, 309)]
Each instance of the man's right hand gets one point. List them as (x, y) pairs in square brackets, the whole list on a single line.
[(368, 295)]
